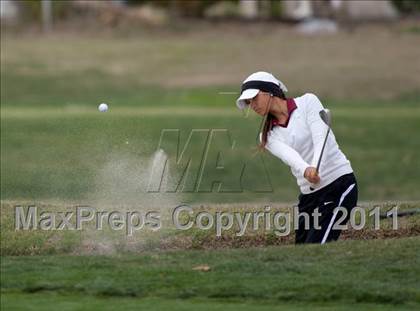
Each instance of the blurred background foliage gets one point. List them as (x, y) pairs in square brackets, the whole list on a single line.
[(30, 10), (407, 6)]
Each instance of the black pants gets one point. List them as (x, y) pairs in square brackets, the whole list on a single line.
[(341, 192)]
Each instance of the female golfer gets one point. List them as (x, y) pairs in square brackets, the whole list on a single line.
[(294, 132)]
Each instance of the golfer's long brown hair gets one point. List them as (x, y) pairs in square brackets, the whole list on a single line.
[(267, 125)]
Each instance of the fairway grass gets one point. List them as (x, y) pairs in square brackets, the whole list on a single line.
[(53, 301), (55, 145), (58, 152), (87, 67), (365, 275), (65, 153)]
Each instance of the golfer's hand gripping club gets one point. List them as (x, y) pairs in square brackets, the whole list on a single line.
[(311, 174)]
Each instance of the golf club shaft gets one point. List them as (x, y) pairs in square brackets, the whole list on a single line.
[(322, 152)]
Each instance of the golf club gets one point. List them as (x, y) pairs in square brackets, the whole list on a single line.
[(326, 117)]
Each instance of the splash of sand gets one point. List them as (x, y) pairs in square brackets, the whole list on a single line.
[(122, 184)]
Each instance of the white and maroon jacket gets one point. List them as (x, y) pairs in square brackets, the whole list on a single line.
[(298, 143)]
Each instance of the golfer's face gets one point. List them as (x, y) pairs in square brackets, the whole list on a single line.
[(260, 103)]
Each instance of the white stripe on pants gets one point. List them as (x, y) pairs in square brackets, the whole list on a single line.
[(343, 196)]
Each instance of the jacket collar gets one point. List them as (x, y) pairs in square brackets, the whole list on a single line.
[(291, 106)]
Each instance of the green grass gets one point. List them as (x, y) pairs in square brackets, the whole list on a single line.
[(82, 302), (375, 274), (55, 145), (86, 67), (60, 153), (57, 151)]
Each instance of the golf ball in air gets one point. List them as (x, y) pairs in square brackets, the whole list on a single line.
[(103, 107)]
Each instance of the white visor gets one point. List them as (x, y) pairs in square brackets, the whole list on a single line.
[(247, 94)]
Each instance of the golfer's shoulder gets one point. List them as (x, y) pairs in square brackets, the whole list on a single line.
[(308, 101)]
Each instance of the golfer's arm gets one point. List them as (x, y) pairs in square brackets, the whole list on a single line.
[(288, 155), (317, 126)]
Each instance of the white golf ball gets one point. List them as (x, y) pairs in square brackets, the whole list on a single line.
[(103, 107)]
